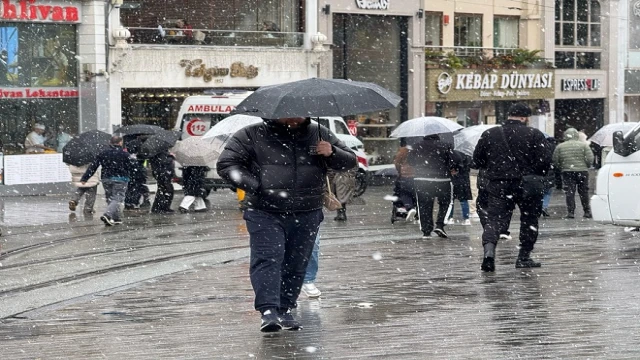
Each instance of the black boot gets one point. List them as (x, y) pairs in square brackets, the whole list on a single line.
[(570, 216), (524, 261), (587, 213), (488, 264), (342, 214)]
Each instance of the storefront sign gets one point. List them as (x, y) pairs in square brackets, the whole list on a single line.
[(580, 84), (39, 11), (35, 169), (38, 93), (373, 4), (472, 85), (197, 68)]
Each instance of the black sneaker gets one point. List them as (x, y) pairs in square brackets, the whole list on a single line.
[(270, 321), (145, 204), (440, 232), (107, 220), (527, 263), (570, 216), (288, 322), (588, 215), (488, 264)]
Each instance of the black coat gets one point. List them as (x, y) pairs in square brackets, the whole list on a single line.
[(162, 166), (461, 181), (115, 163), (432, 159), (278, 167), (527, 153)]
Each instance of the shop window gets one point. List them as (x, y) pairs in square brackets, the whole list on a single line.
[(38, 55), (467, 32), (506, 32), (433, 28), (577, 60), (578, 23)]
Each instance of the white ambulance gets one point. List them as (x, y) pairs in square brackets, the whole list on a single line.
[(617, 194), (200, 112)]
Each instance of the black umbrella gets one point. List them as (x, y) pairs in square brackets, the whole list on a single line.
[(317, 97), (83, 149), (139, 129), (158, 143)]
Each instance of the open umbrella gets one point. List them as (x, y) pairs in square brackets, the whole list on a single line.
[(467, 139), (317, 97), (158, 143), (139, 129), (426, 125), (231, 124), (83, 149), (196, 151), (604, 136)]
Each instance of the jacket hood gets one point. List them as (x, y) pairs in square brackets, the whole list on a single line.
[(571, 134)]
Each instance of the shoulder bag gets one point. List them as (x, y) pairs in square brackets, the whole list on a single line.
[(532, 185), (330, 200)]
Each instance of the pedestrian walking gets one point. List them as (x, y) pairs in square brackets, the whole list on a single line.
[(193, 186), (116, 170), (404, 189), (309, 287), (281, 165), (137, 189), (574, 157), (482, 202), (163, 169), (515, 158), (89, 189), (461, 182), (433, 163), (343, 184)]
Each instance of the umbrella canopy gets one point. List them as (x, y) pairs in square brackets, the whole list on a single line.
[(604, 136), (317, 97), (231, 124), (83, 149), (139, 129), (467, 139), (423, 126), (196, 151), (158, 143)]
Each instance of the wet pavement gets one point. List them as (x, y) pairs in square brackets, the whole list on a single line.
[(177, 287)]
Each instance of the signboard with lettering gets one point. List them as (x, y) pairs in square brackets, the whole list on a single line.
[(40, 11), (35, 169), (579, 84), (474, 85), (373, 4), (38, 93)]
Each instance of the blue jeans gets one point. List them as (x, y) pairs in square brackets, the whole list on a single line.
[(464, 204), (312, 267), (547, 198), (115, 191)]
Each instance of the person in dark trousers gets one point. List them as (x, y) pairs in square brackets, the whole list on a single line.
[(574, 157), (116, 171), (137, 188), (281, 165), (515, 158), (194, 190), (163, 169), (433, 162), (483, 201), (403, 187), (461, 182)]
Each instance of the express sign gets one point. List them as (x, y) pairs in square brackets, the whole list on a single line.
[(580, 84), (39, 11)]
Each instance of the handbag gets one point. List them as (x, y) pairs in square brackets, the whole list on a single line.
[(331, 202), (532, 185)]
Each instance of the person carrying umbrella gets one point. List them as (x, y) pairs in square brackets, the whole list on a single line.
[(574, 157), (163, 169), (282, 165), (515, 158), (116, 170), (138, 183), (433, 164), (194, 191)]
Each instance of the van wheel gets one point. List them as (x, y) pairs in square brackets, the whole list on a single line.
[(362, 180)]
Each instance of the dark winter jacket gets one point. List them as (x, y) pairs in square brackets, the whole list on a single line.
[(461, 180), (162, 166), (572, 154), (115, 163), (278, 166), (527, 152), (432, 159)]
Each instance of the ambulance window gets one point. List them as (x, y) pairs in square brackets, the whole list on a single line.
[(324, 122), (341, 128)]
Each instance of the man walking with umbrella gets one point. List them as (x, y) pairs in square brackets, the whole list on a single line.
[(116, 170), (282, 165), (515, 158)]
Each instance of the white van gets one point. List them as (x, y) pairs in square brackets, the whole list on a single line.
[(617, 198), (200, 112)]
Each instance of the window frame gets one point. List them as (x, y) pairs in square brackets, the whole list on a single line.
[(456, 34), (437, 15), (561, 24), (496, 19)]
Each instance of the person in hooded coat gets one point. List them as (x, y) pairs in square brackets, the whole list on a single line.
[(282, 166), (461, 182), (163, 169)]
